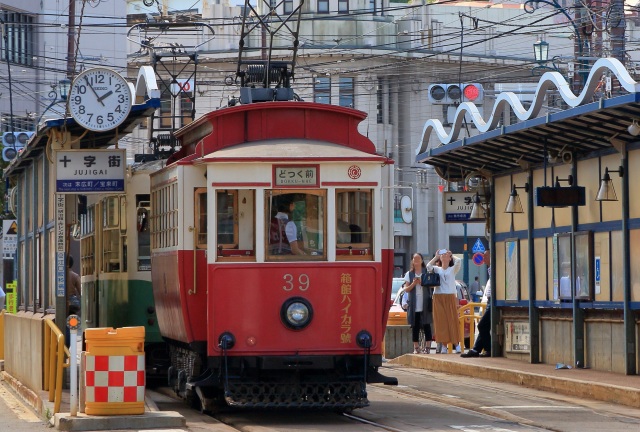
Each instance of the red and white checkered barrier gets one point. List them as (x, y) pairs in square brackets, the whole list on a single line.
[(114, 378)]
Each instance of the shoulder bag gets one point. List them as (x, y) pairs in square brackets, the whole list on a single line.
[(431, 279)]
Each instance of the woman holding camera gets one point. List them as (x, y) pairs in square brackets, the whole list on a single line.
[(445, 298)]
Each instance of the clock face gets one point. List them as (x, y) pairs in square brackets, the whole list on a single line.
[(99, 99)]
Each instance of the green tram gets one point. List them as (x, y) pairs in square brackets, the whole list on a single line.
[(115, 260)]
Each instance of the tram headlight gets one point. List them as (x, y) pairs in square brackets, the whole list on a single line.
[(296, 313)]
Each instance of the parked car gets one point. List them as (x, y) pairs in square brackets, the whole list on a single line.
[(397, 316), (396, 284)]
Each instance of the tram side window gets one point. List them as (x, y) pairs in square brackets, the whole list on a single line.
[(235, 233), (87, 241), (201, 218), (114, 234), (295, 226), (354, 219), (143, 207)]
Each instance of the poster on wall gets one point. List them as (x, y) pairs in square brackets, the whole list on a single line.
[(512, 270), (517, 336)]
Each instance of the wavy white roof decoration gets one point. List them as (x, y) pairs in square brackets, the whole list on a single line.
[(547, 82)]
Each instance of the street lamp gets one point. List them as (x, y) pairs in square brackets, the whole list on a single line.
[(541, 51), (58, 94), (541, 55)]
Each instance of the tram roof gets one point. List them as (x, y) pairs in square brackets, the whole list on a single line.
[(290, 150), (588, 129), (92, 140)]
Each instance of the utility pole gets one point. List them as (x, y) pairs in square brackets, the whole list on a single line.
[(618, 25), (70, 39)]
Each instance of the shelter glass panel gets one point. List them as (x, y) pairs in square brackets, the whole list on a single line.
[(40, 187), (354, 224), (602, 250), (51, 296), (564, 266), (617, 285), (635, 264)]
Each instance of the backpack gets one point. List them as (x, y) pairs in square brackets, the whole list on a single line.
[(278, 242)]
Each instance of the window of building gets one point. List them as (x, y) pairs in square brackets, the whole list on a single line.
[(380, 101), (354, 222), (343, 6), (187, 110), (346, 92), (373, 6), (19, 32), (323, 6), (322, 90), (288, 6), (20, 123), (295, 225)]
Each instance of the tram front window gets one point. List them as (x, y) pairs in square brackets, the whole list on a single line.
[(354, 232), (296, 226)]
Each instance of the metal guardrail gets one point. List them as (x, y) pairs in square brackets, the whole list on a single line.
[(471, 314), (2, 334), (56, 358)]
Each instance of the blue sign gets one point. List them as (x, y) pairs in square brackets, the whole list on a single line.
[(597, 270), (478, 258), (478, 246), (86, 186)]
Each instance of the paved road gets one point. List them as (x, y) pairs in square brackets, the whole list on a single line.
[(15, 416), (423, 401)]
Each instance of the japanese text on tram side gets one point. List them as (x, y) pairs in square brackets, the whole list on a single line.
[(345, 318)]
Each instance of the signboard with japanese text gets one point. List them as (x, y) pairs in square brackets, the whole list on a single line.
[(11, 299), (296, 176), (90, 171), (457, 206), (517, 336), (9, 238), (60, 245)]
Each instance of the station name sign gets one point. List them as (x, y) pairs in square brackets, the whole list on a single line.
[(457, 206), (90, 171)]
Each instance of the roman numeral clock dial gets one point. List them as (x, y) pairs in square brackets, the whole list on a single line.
[(99, 99)]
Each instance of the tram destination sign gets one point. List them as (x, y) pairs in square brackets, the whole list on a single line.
[(295, 175), (90, 171)]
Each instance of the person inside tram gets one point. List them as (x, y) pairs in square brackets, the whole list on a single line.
[(283, 233), (313, 232)]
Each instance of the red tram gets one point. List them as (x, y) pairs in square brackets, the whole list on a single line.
[(272, 251)]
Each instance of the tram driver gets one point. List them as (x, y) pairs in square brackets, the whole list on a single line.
[(283, 233)]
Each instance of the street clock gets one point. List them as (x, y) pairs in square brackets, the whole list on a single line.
[(99, 99)]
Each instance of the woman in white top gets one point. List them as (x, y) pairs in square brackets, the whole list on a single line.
[(445, 299)]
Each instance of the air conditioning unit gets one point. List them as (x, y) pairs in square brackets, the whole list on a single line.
[(13, 143)]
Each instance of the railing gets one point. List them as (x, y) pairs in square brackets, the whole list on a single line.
[(470, 314), (2, 334), (56, 358)]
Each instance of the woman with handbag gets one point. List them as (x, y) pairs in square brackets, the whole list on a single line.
[(445, 298), (418, 311)]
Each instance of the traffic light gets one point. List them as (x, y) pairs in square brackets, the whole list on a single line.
[(13, 143), (446, 94)]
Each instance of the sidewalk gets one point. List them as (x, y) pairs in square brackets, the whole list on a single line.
[(583, 383), (39, 401)]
